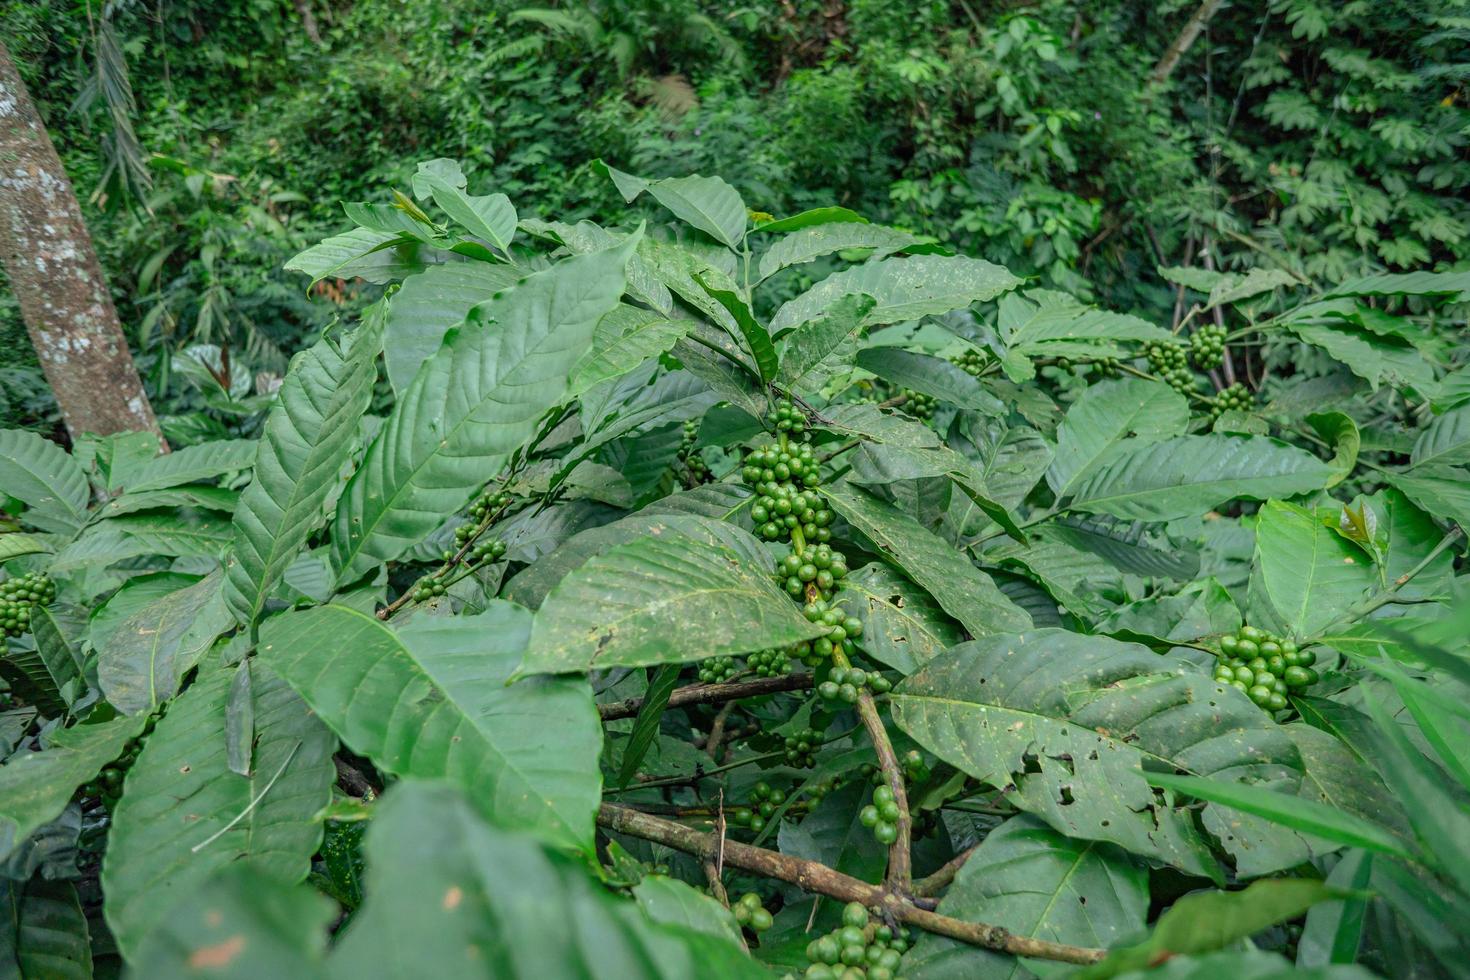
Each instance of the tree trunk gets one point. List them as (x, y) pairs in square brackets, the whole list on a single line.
[(1182, 43), (47, 253)]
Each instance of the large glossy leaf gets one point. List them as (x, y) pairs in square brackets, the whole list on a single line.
[(905, 289), (1072, 722), (1205, 921), (1198, 610), (427, 305), (51, 939), (240, 925), (1445, 441), (903, 627), (58, 631), (147, 656), (449, 895), (194, 463), (817, 349), (184, 815), (1188, 475), (1304, 575), (757, 338), (1378, 360), (585, 236), (530, 586), (1406, 284), (1441, 490), (376, 256), (18, 544), (633, 604), (308, 436), (931, 376), (706, 203), (1104, 416), (41, 475), (36, 786), (181, 535), (203, 496), (431, 701), (625, 338), (961, 589), (471, 406), (1033, 881), (491, 217), (814, 241)]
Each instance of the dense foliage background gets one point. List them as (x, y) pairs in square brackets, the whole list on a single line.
[(216, 139), (1010, 523)]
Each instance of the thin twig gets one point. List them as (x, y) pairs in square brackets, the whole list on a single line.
[(932, 885), (818, 879), (900, 858), (711, 694), (697, 775)]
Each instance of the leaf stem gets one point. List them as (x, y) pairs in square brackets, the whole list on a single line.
[(698, 774), (818, 879), (711, 694)]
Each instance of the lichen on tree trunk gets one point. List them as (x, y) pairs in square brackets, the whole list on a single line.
[(48, 256)]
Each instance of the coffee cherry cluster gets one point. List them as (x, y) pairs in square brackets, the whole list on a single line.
[(1237, 396), (842, 629), (845, 684), (765, 800), (18, 596), (1171, 363), (919, 405), (801, 748), (718, 670), (107, 786), (769, 663), (971, 361), (486, 504), (817, 569), (784, 478), (693, 463), (1108, 367), (1207, 346), (860, 949), (788, 418), (1265, 666), (881, 816), (750, 913)]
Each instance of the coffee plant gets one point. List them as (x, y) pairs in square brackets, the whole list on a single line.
[(957, 626)]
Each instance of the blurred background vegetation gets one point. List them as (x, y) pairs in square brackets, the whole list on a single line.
[(211, 139)]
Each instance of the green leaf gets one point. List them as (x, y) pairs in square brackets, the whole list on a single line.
[(449, 895), (477, 401), (1304, 575), (1408, 284), (199, 496), (1032, 881), (646, 725), (633, 604), (706, 203), (1206, 921), (430, 701), (17, 544), (148, 655), (427, 305), (757, 337), (904, 288), (1441, 490), (961, 589), (180, 535), (1375, 359), (1341, 433), (41, 475), (360, 253), (194, 463), (813, 346), (931, 376), (309, 434), (1188, 475), (1445, 441), (136, 592), (1333, 932), (891, 428), (1320, 819), (1233, 289), (58, 631), (1074, 722), (832, 834), (806, 219), (1125, 546), (903, 627), (491, 217), (184, 815), (241, 925), (36, 786), (814, 241), (51, 938), (1104, 417), (1199, 610), (672, 902), (624, 339), (585, 236)]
